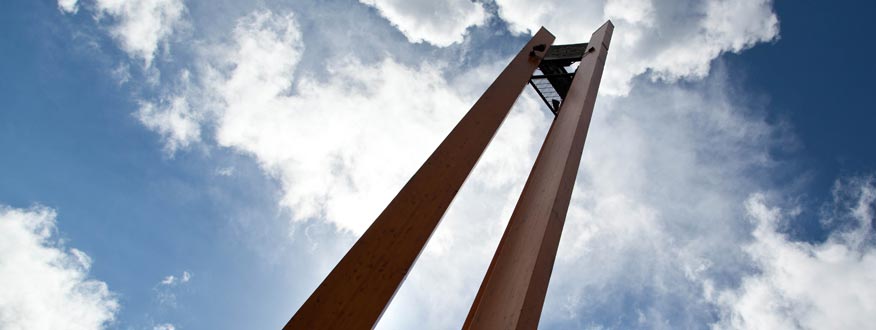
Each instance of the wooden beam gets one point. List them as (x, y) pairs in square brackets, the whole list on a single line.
[(513, 291)]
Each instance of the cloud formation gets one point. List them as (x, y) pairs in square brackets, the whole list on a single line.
[(165, 326), (45, 284), (68, 6), (140, 27), (803, 285), (173, 118), (441, 23), (171, 280), (311, 135), (667, 39), (166, 290)]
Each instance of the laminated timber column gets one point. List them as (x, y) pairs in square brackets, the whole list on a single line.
[(357, 290), (513, 291)]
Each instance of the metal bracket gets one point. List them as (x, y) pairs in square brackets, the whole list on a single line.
[(554, 81)]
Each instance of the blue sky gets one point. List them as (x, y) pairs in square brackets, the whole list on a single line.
[(182, 164)]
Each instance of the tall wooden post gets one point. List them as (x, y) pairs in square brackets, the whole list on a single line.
[(513, 291), (357, 290)]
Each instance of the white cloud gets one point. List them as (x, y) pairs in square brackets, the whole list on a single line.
[(327, 141), (173, 119), (142, 26), (167, 289), (168, 280), (172, 280), (440, 23), (166, 326), (68, 6), (225, 171), (122, 73), (45, 285), (801, 285), (670, 39)]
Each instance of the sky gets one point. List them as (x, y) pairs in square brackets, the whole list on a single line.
[(188, 164)]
